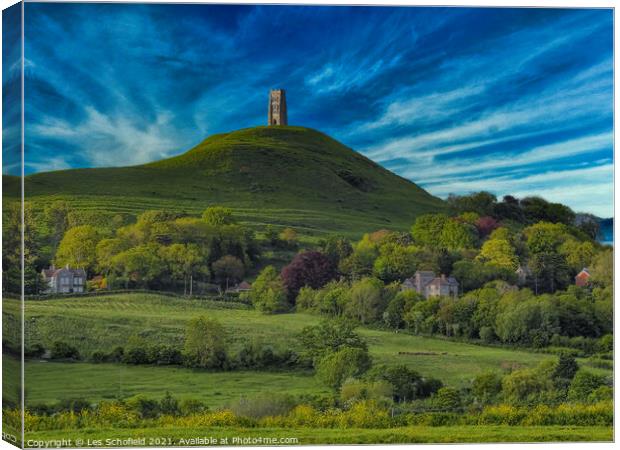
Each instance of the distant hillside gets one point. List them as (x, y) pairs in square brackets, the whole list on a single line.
[(291, 176), (606, 233)]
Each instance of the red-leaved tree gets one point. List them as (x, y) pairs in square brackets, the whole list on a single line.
[(486, 225), (312, 269)]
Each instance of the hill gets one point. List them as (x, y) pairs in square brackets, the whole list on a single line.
[(290, 176)]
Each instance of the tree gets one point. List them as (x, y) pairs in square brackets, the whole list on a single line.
[(584, 384), (421, 317), (311, 269), (360, 262), (427, 229), (78, 248), (329, 336), (578, 254), (366, 303), (603, 269), (545, 237), (141, 264), (486, 387), (268, 293), (448, 398), (457, 236), (336, 248), (526, 320), (500, 253), (12, 248), (479, 202), (106, 250), (521, 384), (271, 234), (288, 236), (393, 316), (566, 369), (404, 382), (218, 216), (55, 216), (485, 225), (538, 209), (184, 261), (228, 268), (395, 262), (205, 343), (334, 368), (550, 272), (475, 274)]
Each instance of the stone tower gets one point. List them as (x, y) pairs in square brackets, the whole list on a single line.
[(277, 107)]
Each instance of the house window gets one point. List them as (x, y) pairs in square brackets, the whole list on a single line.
[(77, 280), (64, 280)]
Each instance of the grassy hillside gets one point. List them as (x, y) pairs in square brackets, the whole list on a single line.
[(283, 175)]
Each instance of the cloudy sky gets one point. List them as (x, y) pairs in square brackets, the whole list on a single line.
[(512, 101)]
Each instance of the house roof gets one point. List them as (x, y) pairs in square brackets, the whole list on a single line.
[(584, 272), (53, 272), (425, 273), (443, 281)]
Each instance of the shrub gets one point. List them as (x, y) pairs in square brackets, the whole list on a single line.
[(192, 406), (365, 414), (205, 343), (169, 405), (565, 370), (486, 387), (136, 355), (73, 404), (336, 367), (355, 390), (584, 384), (600, 394), (448, 398), (145, 407), (327, 337), (62, 350), (606, 343), (268, 293), (34, 351), (487, 334), (116, 355), (98, 357), (521, 384), (263, 405)]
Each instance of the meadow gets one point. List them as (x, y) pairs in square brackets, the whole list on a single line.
[(101, 323)]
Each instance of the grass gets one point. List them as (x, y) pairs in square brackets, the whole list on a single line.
[(288, 176), (451, 434), (101, 323)]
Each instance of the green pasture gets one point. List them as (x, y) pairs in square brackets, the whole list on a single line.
[(102, 323)]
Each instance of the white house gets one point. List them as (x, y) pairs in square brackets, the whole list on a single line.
[(65, 280)]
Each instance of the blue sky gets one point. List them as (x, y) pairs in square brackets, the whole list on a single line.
[(513, 101)]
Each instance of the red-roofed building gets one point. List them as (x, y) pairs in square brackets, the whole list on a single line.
[(582, 278)]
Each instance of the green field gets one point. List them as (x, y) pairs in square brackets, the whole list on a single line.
[(101, 323), (289, 176), (346, 436)]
